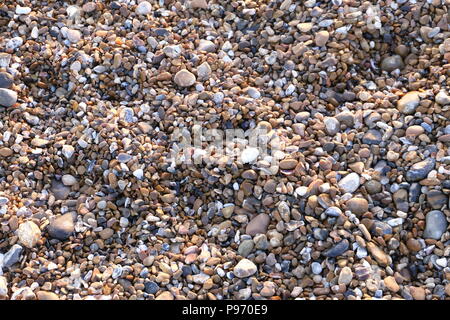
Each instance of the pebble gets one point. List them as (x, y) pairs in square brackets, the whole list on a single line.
[(206, 45), (321, 38), (391, 63), (8, 98), (337, 250), (258, 224), (46, 295), (436, 225), (204, 71), (249, 155), (144, 8), (68, 180), (420, 170), (409, 102), (6, 80), (357, 205), (332, 126), (184, 78), (349, 183), (73, 35), (62, 227), (12, 256), (345, 276), (3, 287), (59, 190), (29, 234), (245, 268), (441, 98)]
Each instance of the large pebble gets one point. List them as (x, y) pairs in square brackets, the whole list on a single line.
[(12, 256), (61, 227), (391, 63), (350, 183), (436, 225), (7, 97), (6, 80), (258, 224), (144, 8), (59, 190), (245, 268), (184, 78), (29, 234), (409, 102)]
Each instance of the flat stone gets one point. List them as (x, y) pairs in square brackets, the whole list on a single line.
[(62, 227), (349, 183), (7, 97), (29, 234), (184, 78), (379, 255), (337, 250), (420, 170), (258, 224), (372, 137), (106, 233), (436, 225), (12, 256), (6, 80), (288, 164), (391, 63), (409, 102), (46, 295), (245, 268)]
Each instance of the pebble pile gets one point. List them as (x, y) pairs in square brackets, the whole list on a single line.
[(358, 207)]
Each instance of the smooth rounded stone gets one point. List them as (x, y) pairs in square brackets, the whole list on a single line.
[(346, 118), (246, 247), (245, 268), (258, 224), (436, 225), (349, 183), (288, 164), (414, 131), (106, 233), (12, 256), (332, 126), (337, 250), (391, 63), (305, 26), (442, 98), (436, 199), (151, 287), (6, 80), (7, 97), (199, 4), (206, 45), (228, 210), (409, 102), (68, 180), (61, 227), (373, 186), (143, 8), (333, 211), (420, 170), (249, 155), (345, 276), (204, 71), (253, 92), (3, 287), (89, 7), (46, 295), (414, 192), (184, 78), (22, 10), (73, 35), (372, 137), (321, 38), (400, 198), (29, 234), (357, 205), (5, 152), (249, 174), (316, 268)]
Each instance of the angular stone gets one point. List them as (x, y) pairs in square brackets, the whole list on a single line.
[(29, 234), (6, 80), (379, 255), (59, 190), (258, 224), (372, 137), (204, 71), (62, 227), (245, 268), (436, 199), (12, 256), (206, 45)]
